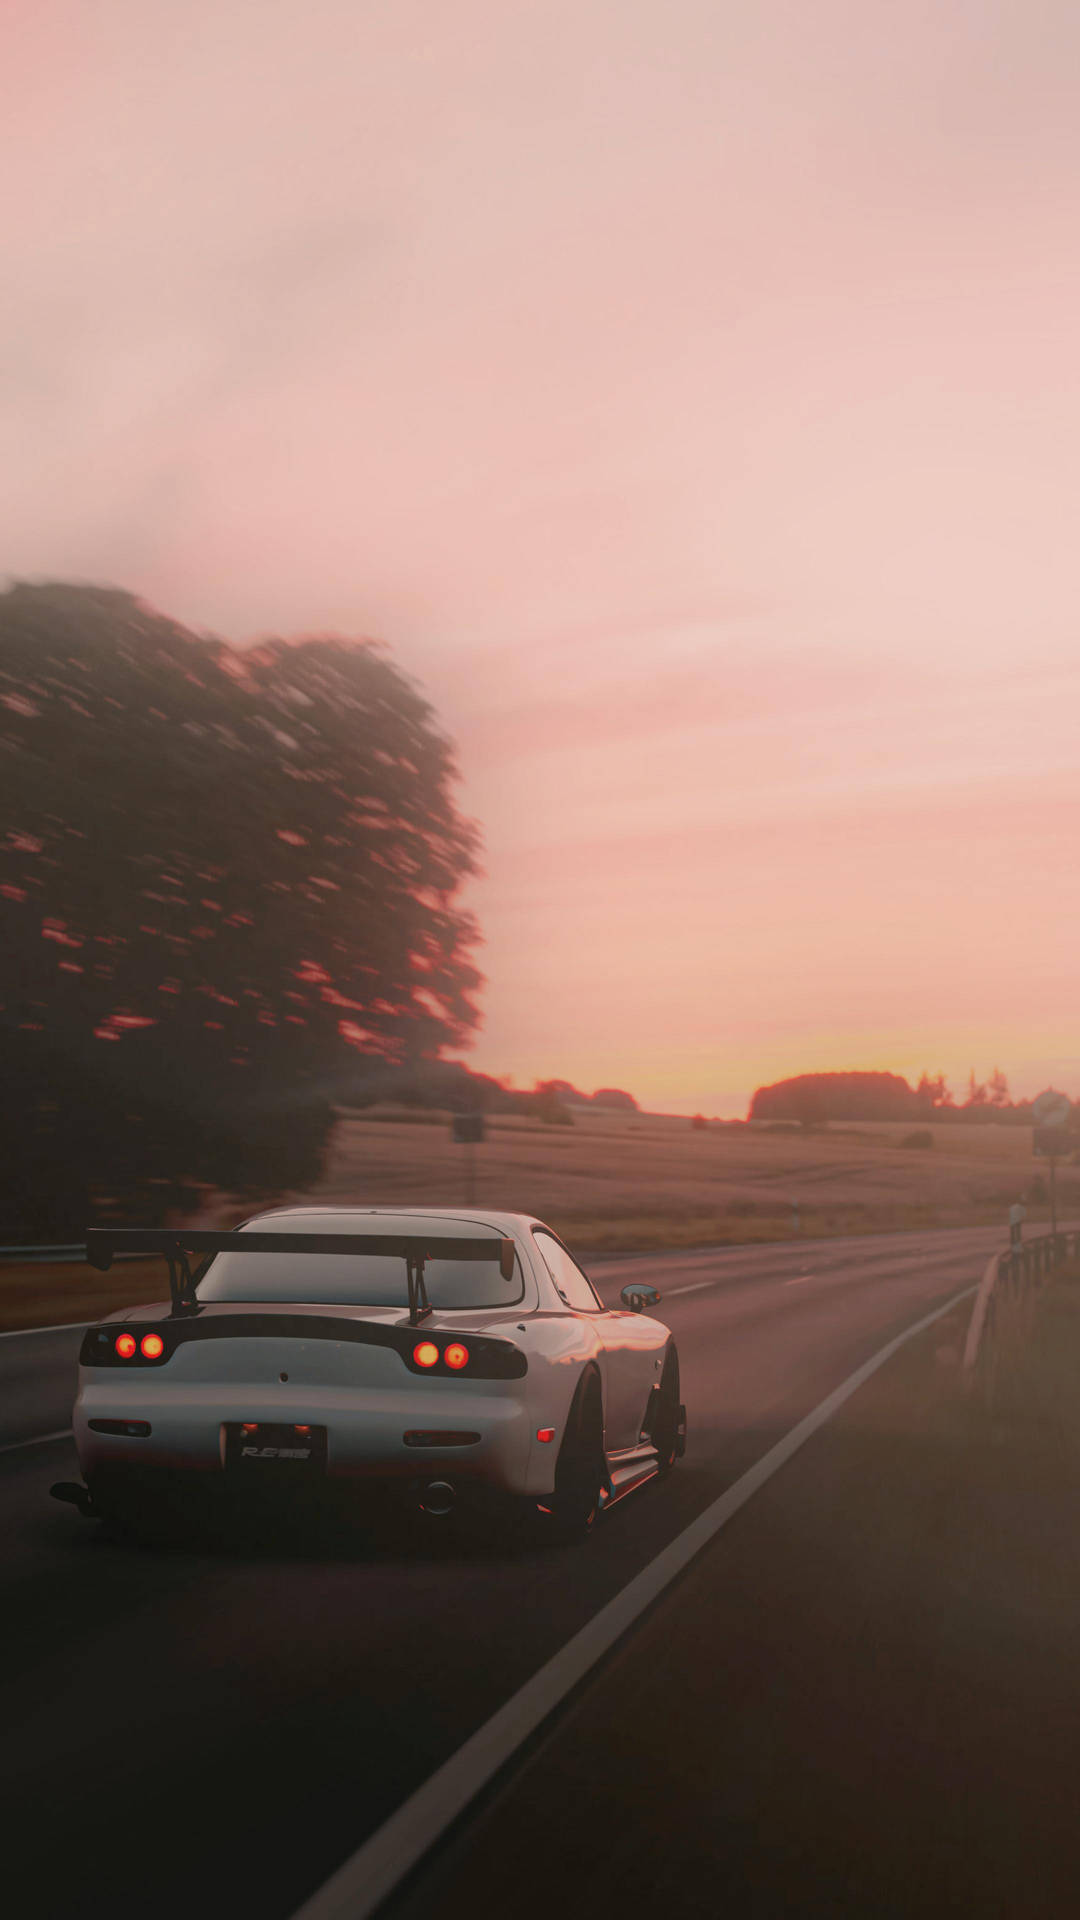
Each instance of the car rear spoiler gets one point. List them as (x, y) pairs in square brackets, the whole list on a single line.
[(176, 1243)]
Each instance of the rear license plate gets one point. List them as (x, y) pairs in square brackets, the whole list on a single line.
[(274, 1449)]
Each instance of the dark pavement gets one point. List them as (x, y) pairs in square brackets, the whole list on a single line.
[(862, 1700), (37, 1373)]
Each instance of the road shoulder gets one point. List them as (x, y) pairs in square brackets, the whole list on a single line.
[(860, 1700)]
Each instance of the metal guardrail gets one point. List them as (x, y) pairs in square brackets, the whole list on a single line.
[(76, 1250), (1005, 1301), (44, 1253), (57, 1255)]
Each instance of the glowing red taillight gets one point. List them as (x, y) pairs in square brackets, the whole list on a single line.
[(250, 1426), (426, 1353), (125, 1345), (456, 1356), (151, 1346), (301, 1429), (545, 1434)]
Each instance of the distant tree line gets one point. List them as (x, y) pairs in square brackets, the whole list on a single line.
[(570, 1096), (452, 1087), (228, 899), (813, 1099)]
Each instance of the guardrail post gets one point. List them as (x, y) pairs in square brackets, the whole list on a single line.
[(1005, 1303)]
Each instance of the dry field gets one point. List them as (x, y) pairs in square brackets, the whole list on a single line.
[(35, 1295), (624, 1181), (618, 1182)]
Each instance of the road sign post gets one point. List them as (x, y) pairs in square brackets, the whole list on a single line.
[(1051, 1112), (469, 1129)]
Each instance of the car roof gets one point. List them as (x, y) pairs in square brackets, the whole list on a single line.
[(459, 1220)]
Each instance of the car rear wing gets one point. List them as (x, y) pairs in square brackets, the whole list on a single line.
[(103, 1244)]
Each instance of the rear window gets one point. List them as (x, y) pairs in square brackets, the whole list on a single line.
[(345, 1280)]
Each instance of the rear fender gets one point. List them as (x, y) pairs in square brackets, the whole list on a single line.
[(561, 1349)]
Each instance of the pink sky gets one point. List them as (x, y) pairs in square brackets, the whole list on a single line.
[(687, 393)]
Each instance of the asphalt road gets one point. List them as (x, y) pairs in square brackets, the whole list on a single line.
[(218, 1731), (36, 1374)]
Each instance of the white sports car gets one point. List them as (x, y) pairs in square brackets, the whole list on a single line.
[(444, 1357)]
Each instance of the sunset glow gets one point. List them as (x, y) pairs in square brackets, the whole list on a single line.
[(687, 396)]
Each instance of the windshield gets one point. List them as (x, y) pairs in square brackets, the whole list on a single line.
[(362, 1280)]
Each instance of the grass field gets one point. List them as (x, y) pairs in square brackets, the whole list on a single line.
[(1036, 1372), (620, 1182), (35, 1295)]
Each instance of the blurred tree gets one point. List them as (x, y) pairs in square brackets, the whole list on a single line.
[(932, 1091), (977, 1094), (616, 1098), (813, 1097), (563, 1090), (228, 890), (999, 1089), (548, 1106), (808, 1104)]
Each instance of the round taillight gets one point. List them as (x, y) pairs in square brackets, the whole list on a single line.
[(151, 1346), (456, 1356), (125, 1345), (426, 1353)]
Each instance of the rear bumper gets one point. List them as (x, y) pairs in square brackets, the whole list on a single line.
[(366, 1434)]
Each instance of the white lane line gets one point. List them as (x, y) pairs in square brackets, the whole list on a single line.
[(69, 1326), (39, 1439), (374, 1870)]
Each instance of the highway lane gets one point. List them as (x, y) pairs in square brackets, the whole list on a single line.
[(273, 1706)]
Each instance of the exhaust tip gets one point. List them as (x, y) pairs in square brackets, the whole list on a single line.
[(73, 1495), (437, 1497)]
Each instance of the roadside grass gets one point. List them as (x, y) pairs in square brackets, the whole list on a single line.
[(1036, 1376)]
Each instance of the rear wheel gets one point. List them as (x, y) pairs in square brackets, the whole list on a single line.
[(582, 1470)]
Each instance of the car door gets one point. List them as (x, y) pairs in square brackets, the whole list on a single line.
[(637, 1346), (624, 1361)]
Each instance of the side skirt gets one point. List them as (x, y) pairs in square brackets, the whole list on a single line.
[(628, 1469)]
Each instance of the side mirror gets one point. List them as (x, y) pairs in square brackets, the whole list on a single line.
[(638, 1296)]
